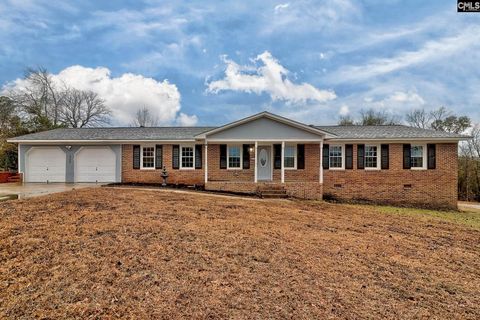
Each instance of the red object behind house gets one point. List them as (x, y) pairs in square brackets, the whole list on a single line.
[(4, 176)]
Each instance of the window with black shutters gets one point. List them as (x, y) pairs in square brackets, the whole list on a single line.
[(148, 157), (417, 157), (234, 157), (187, 157), (371, 157), (289, 155), (336, 157)]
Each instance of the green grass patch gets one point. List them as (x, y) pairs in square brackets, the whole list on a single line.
[(470, 218)]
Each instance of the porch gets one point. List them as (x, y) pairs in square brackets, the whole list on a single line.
[(253, 166)]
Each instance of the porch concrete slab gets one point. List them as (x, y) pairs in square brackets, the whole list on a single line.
[(28, 190)]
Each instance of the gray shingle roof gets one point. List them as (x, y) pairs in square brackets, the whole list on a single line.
[(386, 132), (90, 134), (188, 133)]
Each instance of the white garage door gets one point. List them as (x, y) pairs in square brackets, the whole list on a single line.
[(95, 164), (45, 164)]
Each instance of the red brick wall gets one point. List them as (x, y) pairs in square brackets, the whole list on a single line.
[(429, 188), (217, 174), (179, 176)]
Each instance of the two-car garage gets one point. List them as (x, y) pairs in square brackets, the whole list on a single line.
[(71, 164)]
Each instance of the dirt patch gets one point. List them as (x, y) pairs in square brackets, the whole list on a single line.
[(109, 253)]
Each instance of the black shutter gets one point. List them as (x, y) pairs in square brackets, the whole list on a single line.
[(300, 156), (198, 156), (158, 156), (431, 155), (136, 157), (277, 156), (175, 156), (360, 156), (326, 156), (407, 156), (385, 156), (246, 156), (223, 156), (349, 156)]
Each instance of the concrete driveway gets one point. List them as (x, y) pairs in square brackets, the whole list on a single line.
[(468, 205), (27, 190)]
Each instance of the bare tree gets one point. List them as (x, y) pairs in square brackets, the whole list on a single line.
[(439, 119), (371, 117), (419, 118), (83, 109), (469, 167), (38, 98), (145, 118), (346, 121)]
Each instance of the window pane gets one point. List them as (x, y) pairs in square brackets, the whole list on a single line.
[(148, 154), (335, 156), (371, 156), (234, 159), (187, 157), (290, 162), (416, 156), (289, 156)]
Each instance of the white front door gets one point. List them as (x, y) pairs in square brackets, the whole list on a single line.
[(264, 163), (95, 164), (45, 164)]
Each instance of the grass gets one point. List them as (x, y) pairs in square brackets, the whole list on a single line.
[(109, 253), (469, 218)]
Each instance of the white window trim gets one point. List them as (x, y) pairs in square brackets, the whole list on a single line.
[(343, 157), (141, 156), (294, 157), (379, 157), (228, 157), (424, 156), (181, 156)]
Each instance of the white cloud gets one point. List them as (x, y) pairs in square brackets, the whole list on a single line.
[(186, 120), (311, 15), (344, 110), (125, 94), (280, 7), (407, 97), (431, 51), (270, 78)]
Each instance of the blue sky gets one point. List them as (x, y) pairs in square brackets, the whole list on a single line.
[(210, 62)]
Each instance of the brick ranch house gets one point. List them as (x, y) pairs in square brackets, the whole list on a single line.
[(384, 164)]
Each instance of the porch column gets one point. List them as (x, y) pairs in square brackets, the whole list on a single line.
[(321, 162), (282, 164), (256, 162), (206, 161)]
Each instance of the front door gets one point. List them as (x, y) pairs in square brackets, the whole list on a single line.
[(264, 163)]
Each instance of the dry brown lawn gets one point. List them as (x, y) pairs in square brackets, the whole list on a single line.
[(110, 253)]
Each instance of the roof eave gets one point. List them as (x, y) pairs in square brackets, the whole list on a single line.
[(449, 139), (268, 115), (110, 141)]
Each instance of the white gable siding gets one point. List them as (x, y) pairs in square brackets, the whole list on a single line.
[(263, 129)]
